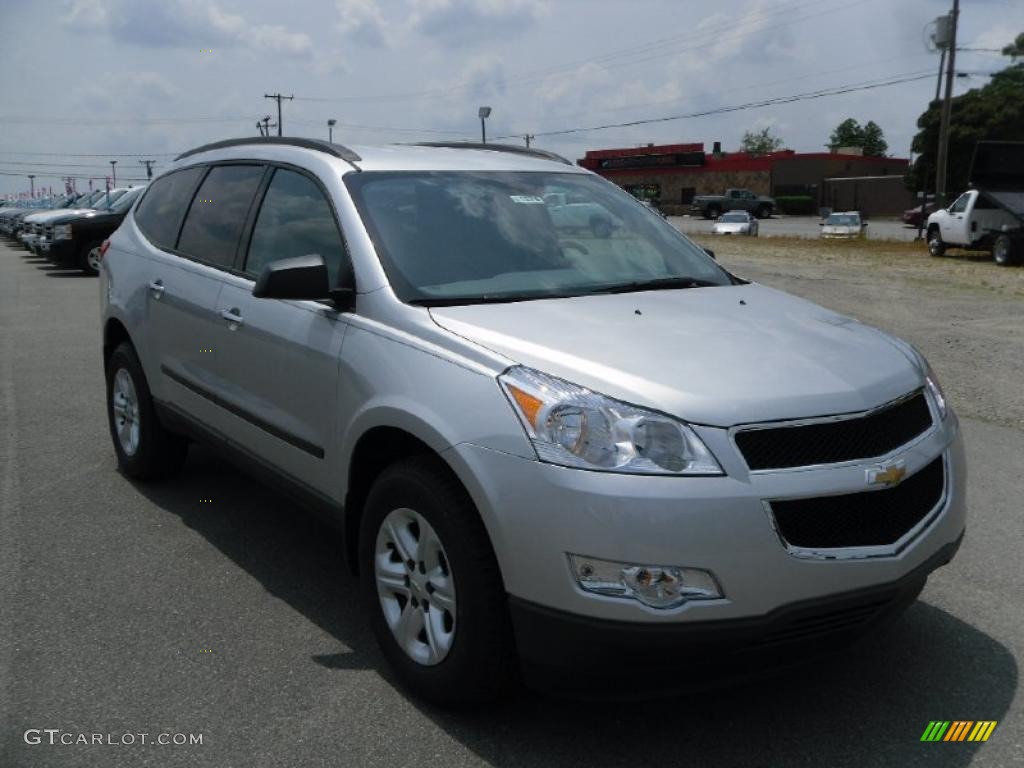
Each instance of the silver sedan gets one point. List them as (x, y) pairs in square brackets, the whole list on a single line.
[(735, 223)]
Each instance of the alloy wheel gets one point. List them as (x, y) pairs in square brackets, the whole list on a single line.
[(415, 586), (125, 403)]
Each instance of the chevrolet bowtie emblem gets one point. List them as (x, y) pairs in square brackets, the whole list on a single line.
[(887, 475)]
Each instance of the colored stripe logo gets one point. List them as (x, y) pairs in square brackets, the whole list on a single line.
[(959, 730)]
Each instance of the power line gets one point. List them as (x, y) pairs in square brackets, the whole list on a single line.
[(733, 108)]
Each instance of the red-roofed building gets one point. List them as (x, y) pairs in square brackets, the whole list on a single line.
[(670, 175)]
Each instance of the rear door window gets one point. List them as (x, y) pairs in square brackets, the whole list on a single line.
[(218, 212), (160, 213), (295, 219)]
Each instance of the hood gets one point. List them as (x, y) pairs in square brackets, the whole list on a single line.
[(44, 216), (89, 215), (717, 356)]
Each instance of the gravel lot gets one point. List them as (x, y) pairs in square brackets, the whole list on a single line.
[(128, 609)]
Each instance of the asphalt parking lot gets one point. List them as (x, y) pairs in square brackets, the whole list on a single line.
[(801, 226), (146, 609)]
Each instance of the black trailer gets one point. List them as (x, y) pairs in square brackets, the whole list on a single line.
[(997, 171)]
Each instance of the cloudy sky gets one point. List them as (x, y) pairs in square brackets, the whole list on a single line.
[(106, 77)]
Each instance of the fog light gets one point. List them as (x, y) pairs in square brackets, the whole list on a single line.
[(659, 586)]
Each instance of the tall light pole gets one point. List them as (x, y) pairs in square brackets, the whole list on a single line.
[(940, 164), (32, 184), (484, 113), (330, 129), (113, 172)]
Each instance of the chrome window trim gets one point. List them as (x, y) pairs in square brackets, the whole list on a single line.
[(865, 552), (786, 423)]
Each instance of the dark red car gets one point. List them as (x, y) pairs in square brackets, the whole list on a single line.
[(912, 216)]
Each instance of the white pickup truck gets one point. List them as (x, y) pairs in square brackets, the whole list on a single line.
[(990, 216)]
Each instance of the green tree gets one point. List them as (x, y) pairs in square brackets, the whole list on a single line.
[(850, 133), (760, 142), (1015, 50), (874, 143), (994, 111)]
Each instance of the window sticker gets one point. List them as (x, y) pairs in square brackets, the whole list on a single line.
[(527, 199)]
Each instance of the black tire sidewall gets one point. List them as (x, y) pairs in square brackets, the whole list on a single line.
[(83, 257), (477, 666), (1008, 258), (158, 452)]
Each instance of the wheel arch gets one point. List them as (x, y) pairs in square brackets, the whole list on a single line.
[(378, 447), (114, 333)]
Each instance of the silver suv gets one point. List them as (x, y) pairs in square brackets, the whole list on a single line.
[(550, 449)]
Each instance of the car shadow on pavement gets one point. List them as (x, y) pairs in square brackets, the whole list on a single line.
[(866, 706)]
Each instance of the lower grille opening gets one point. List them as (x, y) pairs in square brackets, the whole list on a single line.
[(865, 519)]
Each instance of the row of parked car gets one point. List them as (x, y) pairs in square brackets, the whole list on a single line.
[(68, 229)]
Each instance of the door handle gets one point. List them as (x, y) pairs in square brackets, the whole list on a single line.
[(232, 316), (156, 288)]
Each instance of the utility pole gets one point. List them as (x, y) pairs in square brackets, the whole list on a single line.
[(940, 165), (32, 184), (278, 98), (259, 127), (113, 171), (267, 125), (528, 137)]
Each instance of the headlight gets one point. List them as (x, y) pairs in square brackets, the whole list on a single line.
[(932, 384), (574, 427), (62, 232)]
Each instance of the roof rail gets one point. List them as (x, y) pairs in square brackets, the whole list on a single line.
[(510, 148), (338, 150)]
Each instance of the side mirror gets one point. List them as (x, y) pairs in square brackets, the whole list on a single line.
[(302, 277), (821, 223), (710, 253), (865, 223)]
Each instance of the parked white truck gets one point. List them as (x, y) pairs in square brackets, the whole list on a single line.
[(990, 215)]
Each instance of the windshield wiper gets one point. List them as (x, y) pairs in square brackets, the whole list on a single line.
[(658, 284)]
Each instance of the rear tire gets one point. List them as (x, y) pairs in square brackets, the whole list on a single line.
[(1003, 251), (145, 450), (764, 212), (466, 655), (936, 247), (712, 212)]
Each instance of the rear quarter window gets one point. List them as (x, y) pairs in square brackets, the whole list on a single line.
[(160, 212)]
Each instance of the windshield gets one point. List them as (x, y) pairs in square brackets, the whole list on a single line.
[(843, 220), (105, 202), (734, 218), (124, 201), (465, 236)]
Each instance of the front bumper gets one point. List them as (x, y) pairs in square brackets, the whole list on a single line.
[(535, 513), (596, 657), (61, 251)]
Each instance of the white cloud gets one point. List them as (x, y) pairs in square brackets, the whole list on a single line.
[(471, 22), (183, 24), (363, 21)]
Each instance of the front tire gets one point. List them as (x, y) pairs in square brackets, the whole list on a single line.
[(764, 212), (89, 258), (431, 586), (935, 245), (145, 450)]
